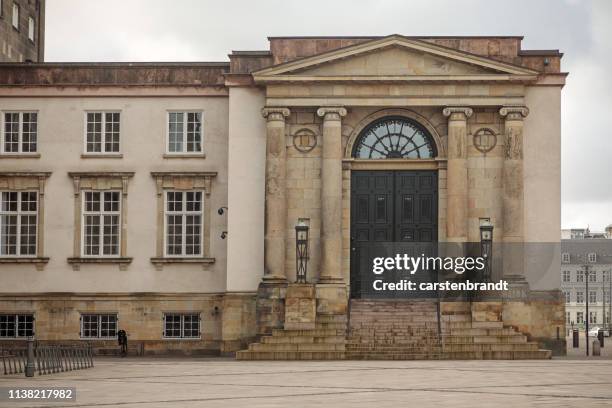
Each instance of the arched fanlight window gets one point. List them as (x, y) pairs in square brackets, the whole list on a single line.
[(394, 138)]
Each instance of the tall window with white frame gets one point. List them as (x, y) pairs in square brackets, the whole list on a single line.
[(16, 325), (181, 325), (16, 16), (31, 29), (568, 296), (101, 223), (99, 326), (184, 133), (183, 223), (18, 223), (20, 132), (102, 132)]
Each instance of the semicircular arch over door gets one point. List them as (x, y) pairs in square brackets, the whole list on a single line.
[(394, 137)]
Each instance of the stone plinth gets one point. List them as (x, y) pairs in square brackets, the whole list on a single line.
[(270, 307), (300, 307), (332, 299)]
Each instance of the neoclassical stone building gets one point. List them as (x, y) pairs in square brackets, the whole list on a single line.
[(370, 141)]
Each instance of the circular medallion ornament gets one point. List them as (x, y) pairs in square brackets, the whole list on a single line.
[(304, 140), (485, 140)]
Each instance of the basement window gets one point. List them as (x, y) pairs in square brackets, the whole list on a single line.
[(16, 326), (181, 326)]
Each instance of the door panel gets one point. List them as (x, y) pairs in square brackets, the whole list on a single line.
[(392, 212)]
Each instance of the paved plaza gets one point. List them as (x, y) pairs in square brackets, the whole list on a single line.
[(173, 382)]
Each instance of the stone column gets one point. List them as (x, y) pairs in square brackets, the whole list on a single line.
[(331, 195), (513, 191), (457, 175), (276, 195)]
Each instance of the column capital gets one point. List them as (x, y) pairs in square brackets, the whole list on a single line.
[(275, 113), (331, 112), (458, 112), (514, 112)]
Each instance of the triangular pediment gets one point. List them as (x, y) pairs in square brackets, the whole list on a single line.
[(393, 57)]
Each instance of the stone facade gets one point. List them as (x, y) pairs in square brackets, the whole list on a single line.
[(24, 42), (280, 127)]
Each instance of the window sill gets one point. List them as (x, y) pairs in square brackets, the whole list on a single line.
[(184, 156), (39, 262), (20, 156), (160, 262), (101, 155), (123, 262), (182, 338)]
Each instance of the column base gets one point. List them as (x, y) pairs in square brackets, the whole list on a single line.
[(518, 287), (274, 279), (330, 280)]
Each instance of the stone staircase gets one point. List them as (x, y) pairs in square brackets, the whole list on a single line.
[(476, 332), (393, 330), (325, 342), (401, 330)]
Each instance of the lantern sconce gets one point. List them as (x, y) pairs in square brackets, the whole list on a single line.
[(486, 246), (301, 249)]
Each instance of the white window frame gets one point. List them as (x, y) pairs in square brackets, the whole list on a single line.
[(15, 16), (184, 151), (592, 292), (101, 214), (580, 273), (102, 151), (592, 276), (592, 317), (592, 257), (182, 335), (565, 257), (16, 328), (184, 213), (99, 318), (579, 317), (19, 213), (568, 296), (579, 297), (566, 276), (31, 28), (20, 132)]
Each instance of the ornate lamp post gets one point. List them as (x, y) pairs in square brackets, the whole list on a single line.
[(486, 247), (301, 251)]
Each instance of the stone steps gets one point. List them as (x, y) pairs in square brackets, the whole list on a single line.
[(290, 355), (393, 356), (393, 330), (297, 347), (511, 338), (302, 339), (498, 355), (479, 347), (325, 342)]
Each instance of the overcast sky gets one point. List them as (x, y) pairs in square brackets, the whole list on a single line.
[(189, 30)]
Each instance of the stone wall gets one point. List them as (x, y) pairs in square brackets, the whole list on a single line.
[(57, 318)]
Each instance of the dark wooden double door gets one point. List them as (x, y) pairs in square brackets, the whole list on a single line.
[(392, 212)]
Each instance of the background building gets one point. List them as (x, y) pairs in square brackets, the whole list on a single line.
[(22, 30), (592, 251)]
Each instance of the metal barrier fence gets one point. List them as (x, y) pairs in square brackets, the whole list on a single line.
[(46, 359)]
